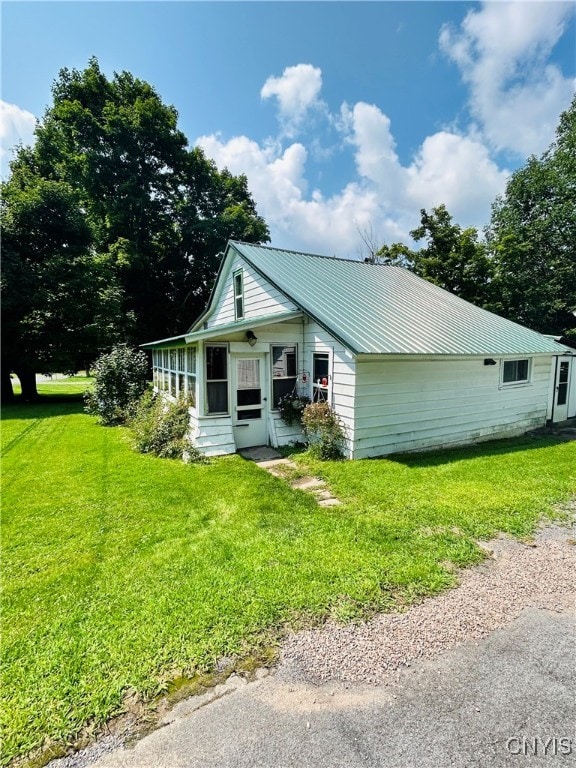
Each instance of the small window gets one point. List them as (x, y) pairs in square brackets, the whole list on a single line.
[(320, 377), (217, 379), (283, 372), (515, 371), (238, 295)]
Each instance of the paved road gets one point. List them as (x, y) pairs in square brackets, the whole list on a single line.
[(483, 704)]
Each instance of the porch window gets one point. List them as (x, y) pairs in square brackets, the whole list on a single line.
[(516, 371), (284, 371), (320, 376), (191, 374), (238, 295), (216, 379)]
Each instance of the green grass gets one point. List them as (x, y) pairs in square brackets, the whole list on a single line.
[(121, 570)]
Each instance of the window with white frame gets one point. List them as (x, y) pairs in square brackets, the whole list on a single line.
[(174, 371), (238, 280), (516, 371), (284, 371), (320, 376), (216, 379)]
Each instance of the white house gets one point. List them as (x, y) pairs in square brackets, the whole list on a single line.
[(406, 365)]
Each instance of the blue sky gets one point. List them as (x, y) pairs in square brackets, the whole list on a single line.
[(345, 116)]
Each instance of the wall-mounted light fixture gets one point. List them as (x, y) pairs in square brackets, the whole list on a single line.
[(489, 361), (251, 338)]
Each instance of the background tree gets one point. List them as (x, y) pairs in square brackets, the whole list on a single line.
[(452, 258), (54, 289), (153, 214), (532, 235)]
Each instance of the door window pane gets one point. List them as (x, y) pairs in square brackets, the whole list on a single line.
[(254, 413), (563, 383), (248, 397)]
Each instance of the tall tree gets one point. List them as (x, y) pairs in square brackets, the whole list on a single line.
[(156, 214), (532, 234), (452, 258), (54, 289)]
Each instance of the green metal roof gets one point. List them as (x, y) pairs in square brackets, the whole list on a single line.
[(172, 341), (376, 309)]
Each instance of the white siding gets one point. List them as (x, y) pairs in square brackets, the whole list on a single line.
[(213, 435), (420, 404), (260, 298), (342, 383)]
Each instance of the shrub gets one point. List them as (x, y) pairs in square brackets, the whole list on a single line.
[(120, 380), (291, 408), (160, 427), (324, 431)]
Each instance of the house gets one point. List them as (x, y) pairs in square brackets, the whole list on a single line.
[(406, 365)]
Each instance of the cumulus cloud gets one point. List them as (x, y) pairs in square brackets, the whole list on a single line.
[(16, 125), (297, 92), (502, 51), (385, 197)]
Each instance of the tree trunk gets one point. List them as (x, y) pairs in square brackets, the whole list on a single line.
[(6, 390), (28, 382)]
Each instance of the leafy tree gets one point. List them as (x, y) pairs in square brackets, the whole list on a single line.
[(154, 214), (533, 237), (53, 289), (453, 258)]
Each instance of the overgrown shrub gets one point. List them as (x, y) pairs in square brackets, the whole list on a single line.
[(324, 431), (160, 426), (120, 380)]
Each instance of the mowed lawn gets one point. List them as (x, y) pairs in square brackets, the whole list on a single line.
[(122, 570)]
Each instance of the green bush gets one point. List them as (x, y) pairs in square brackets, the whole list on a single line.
[(324, 431), (160, 426), (120, 379)]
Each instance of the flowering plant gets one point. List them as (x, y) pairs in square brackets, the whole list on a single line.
[(291, 407)]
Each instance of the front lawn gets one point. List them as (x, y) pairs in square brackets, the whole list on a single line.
[(121, 570)]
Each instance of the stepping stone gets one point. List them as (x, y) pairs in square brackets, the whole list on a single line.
[(260, 453), (271, 463), (307, 483), (322, 493), (331, 502)]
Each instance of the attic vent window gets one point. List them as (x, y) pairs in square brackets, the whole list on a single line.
[(238, 295)]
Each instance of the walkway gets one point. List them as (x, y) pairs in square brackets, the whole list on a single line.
[(270, 460)]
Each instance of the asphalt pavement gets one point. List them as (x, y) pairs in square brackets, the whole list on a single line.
[(506, 701)]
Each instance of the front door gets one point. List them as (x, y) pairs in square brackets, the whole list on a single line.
[(249, 407), (561, 393)]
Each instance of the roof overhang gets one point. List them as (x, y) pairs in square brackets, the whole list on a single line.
[(172, 341), (240, 326)]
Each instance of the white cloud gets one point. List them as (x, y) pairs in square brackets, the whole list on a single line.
[(297, 91), (16, 125), (386, 196), (502, 50)]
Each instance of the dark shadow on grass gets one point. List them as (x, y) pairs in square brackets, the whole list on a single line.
[(45, 407), (480, 450)]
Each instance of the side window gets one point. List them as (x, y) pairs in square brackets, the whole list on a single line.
[(238, 295), (320, 376), (283, 371), (516, 371)]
